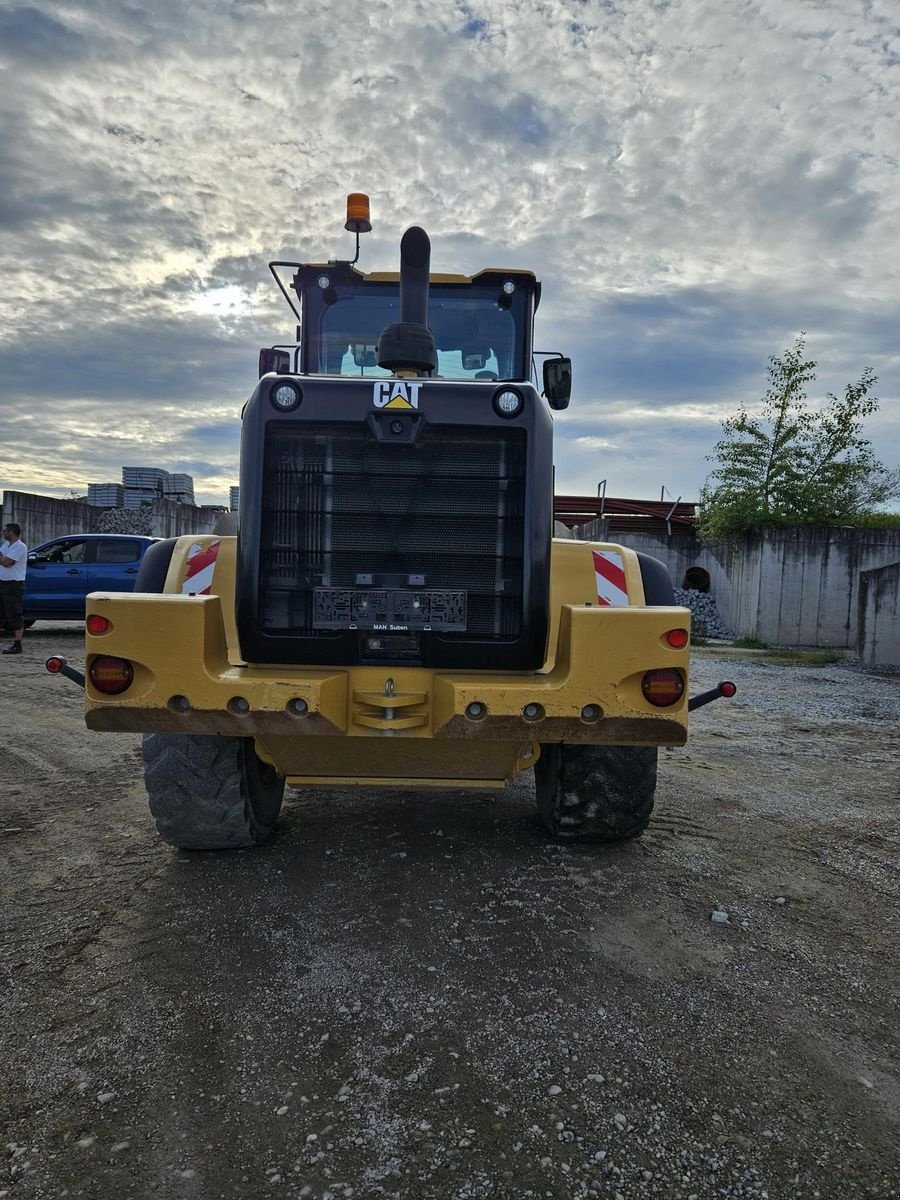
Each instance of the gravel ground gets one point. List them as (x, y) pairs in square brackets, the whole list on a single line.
[(417, 996)]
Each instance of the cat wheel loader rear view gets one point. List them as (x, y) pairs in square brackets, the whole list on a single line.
[(394, 609)]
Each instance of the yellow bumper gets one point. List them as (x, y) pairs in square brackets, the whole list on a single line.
[(185, 683)]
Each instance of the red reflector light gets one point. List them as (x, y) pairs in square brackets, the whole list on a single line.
[(662, 688), (97, 624), (111, 675), (55, 664), (677, 638), (727, 688)]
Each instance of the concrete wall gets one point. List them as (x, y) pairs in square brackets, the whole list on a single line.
[(878, 643), (45, 517), (796, 586)]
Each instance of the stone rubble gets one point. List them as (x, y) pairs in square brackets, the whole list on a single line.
[(705, 619), (125, 520)]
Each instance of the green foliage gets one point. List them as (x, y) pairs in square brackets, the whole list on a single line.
[(803, 658), (878, 520), (751, 643), (791, 465)]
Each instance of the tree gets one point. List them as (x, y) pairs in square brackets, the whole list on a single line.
[(791, 465)]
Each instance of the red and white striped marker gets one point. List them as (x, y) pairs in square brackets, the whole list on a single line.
[(612, 587), (201, 562)]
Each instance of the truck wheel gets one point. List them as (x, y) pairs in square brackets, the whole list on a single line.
[(209, 792), (595, 793)]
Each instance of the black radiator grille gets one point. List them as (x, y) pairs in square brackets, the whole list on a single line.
[(338, 504)]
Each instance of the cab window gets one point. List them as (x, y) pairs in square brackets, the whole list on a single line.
[(66, 552), (474, 337), (121, 550)]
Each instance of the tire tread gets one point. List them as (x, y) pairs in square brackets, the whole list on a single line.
[(205, 793), (595, 793)]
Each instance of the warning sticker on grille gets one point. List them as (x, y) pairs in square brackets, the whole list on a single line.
[(375, 608)]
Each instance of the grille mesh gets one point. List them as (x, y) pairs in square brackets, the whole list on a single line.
[(337, 503)]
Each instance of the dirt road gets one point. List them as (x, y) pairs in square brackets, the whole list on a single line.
[(418, 996)]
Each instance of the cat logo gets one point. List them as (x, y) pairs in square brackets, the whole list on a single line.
[(396, 393)]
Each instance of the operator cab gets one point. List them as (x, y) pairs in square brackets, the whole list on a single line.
[(482, 324)]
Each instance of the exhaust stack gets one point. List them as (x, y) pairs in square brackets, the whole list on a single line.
[(409, 344)]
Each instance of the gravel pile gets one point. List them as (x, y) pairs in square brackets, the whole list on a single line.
[(124, 520), (706, 619)]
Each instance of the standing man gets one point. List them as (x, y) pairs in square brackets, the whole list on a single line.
[(13, 553)]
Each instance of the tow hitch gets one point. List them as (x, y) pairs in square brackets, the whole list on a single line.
[(57, 665), (726, 689)]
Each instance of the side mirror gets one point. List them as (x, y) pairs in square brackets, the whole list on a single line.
[(558, 382), (278, 361)]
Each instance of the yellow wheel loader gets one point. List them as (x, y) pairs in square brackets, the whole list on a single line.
[(394, 609)]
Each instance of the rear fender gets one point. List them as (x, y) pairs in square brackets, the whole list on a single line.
[(196, 565), (155, 566), (201, 565), (604, 575), (657, 581)]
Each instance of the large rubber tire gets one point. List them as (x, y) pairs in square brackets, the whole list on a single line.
[(154, 566), (208, 792), (595, 793), (657, 581)]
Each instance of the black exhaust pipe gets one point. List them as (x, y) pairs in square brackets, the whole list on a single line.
[(409, 345)]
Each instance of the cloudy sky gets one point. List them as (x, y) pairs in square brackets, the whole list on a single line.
[(694, 181)]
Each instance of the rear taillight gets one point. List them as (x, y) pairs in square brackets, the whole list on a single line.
[(662, 688), (677, 638), (97, 624), (111, 675)]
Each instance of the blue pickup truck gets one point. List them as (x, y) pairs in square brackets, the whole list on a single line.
[(61, 573)]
